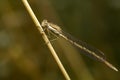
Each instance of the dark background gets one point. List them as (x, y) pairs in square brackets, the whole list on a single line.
[(25, 56)]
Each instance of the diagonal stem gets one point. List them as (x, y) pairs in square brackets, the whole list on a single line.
[(35, 20)]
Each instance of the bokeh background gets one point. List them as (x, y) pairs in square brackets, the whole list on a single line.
[(25, 56)]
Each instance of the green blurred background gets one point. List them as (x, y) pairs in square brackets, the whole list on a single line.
[(25, 56)]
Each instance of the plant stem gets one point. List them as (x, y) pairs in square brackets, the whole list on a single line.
[(39, 27)]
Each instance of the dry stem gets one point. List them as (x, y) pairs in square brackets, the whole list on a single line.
[(35, 20)]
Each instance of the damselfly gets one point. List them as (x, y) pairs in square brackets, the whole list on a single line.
[(88, 50)]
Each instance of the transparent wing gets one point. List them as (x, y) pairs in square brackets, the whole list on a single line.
[(85, 45)]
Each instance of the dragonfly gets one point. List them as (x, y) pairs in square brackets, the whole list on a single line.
[(84, 47)]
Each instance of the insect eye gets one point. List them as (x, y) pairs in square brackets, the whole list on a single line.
[(44, 23)]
